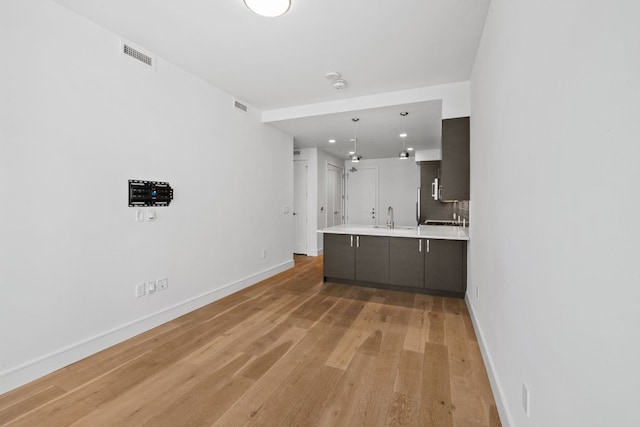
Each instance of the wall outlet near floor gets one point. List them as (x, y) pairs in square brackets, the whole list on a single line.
[(141, 290), (151, 287), (163, 284), (525, 399), (264, 253)]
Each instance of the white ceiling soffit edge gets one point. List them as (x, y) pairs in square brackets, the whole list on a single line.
[(428, 155), (456, 102)]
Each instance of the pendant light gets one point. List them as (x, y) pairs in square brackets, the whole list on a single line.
[(355, 157), (404, 154), (268, 8)]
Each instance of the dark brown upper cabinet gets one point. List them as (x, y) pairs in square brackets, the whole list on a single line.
[(454, 169)]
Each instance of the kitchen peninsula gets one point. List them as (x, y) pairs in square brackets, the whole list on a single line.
[(427, 259)]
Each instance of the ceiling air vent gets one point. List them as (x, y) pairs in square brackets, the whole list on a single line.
[(137, 54), (240, 105)]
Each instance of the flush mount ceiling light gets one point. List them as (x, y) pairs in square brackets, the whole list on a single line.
[(268, 8), (404, 154), (332, 141)]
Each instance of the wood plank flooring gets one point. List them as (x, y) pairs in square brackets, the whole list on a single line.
[(289, 351)]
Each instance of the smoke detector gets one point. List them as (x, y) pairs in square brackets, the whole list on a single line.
[(336, 81), (339, 84)]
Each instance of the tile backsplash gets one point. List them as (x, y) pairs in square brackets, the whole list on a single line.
[(461, 209)]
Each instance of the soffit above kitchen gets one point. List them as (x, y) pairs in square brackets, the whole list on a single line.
[(272, 63)]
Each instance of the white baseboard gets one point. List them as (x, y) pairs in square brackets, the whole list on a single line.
[(505, 415), (314, 253), (34, 369)]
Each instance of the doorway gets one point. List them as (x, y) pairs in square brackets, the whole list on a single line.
[(334, 214), (362, 195), (300, 195)]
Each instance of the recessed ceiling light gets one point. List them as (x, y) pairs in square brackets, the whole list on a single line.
[(409, 148), (268, 8), (332, 141), (403, 135), (351, 153)]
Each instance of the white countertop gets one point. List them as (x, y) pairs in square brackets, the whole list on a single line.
[(423, 232)]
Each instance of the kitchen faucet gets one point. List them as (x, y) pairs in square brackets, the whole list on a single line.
[(390, 217)]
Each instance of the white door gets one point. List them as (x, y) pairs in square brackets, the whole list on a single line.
[(300, 168), (335, 195), (362, 196)]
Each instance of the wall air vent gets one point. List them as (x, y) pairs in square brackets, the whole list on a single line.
[(240, 105), (296, 152), (129, 50)]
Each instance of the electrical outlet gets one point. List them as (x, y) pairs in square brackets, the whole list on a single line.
[(163, 284), (139, 215), (151, 287), (141, 290), (525, 399)]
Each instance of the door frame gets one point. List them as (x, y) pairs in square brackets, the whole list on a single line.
[(326, 192), (305, 203)]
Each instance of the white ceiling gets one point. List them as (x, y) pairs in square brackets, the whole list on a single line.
[(378, 46), (377, 130)]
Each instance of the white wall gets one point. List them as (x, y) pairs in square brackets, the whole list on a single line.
[(398, 181), (429, 155), (554, 184), (77, 120)]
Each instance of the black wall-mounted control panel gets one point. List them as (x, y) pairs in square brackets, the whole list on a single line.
[(149, 193)]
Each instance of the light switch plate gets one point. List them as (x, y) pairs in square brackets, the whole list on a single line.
[(139, 215), (141, 290), (151, 287)]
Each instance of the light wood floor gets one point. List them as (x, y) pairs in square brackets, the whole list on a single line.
[(289, 351)]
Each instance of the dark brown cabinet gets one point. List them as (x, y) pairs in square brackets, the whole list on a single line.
[(454, 168), (353, 257), (339, 256), (429, 265), (406, 262), (372, 259), (445, 265)]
